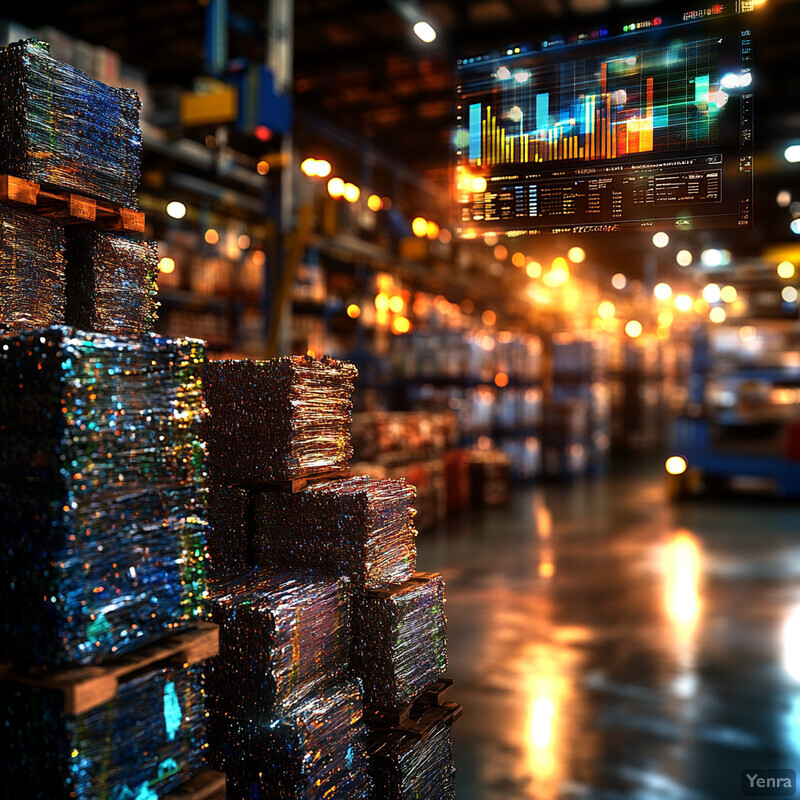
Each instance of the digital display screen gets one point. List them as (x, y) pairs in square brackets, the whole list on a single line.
[(646, 125)]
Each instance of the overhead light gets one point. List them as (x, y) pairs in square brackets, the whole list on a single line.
[(424, 31), (712, 293), (576, 255), (717, 315), (351, 192), (633, 328), (786, 270), (534, 269), (419, 227), (336, 188), (606, 310), (683, 302), (660, 239), (792, 153), (176, 209), (728, 294), (662, 291), (715, 258), (166, 265), (684, 258)]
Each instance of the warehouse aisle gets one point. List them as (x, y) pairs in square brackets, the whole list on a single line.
[(608, 645)]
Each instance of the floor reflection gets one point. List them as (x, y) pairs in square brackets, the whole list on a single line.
[(609, 645)]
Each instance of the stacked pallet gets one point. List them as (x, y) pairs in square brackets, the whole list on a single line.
[(103, 599), (296, 667)]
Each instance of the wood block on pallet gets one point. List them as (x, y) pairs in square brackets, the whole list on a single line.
[(207, 785), (18, 191), (434, 694), (69, 208), (85, 688), (430, 717)]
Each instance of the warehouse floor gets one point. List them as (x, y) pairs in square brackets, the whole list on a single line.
[(607, 644)]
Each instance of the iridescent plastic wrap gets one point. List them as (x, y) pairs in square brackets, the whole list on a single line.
[(230, 532), (31, 271), (280, 419), (357, 527), (60, 127), (141, 744), (101, 492), (408, 767), (400, 640), (317, 751), (111, 283), (282, 637)]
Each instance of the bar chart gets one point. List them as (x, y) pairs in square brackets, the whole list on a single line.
[(652, 99)]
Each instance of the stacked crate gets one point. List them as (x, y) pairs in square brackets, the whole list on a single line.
[(103, 599), (286, 716), (284, 515)]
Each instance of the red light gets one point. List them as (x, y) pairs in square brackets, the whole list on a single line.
[(716, 9), (657, 21), (263, 133)]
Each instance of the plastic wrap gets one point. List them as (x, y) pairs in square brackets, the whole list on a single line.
[(357, 527), (32, 269), (282, 638), (317, 751), (141, 744), (111, 283), (101, 492), (407, 767), (280, 419), (400, 640), (60, 127)]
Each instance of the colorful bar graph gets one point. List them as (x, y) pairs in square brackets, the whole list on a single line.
[(609, 109)]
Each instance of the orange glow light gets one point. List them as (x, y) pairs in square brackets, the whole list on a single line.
[(501, 379), (336, 188), (419, 227), (401, 325)]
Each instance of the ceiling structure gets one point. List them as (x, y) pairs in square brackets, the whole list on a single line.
[(363, 83)]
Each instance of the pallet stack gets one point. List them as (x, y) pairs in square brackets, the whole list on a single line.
[(103, 599), (323, 618)]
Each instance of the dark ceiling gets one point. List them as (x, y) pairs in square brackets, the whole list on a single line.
[(364, 83)]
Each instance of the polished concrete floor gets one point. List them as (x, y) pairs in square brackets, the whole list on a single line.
[(607, 644)]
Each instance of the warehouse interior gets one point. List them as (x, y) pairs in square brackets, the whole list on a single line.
[(600, 414)]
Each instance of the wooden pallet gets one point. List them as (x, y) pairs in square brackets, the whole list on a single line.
[(398, 588), (85, 688), (68, 208), (424, 719), (430, 697), (207, 785), (294, 485)]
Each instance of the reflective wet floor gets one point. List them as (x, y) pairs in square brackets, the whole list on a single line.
[(608, 644)]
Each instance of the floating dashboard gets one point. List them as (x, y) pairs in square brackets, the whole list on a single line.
[(646, 125)]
